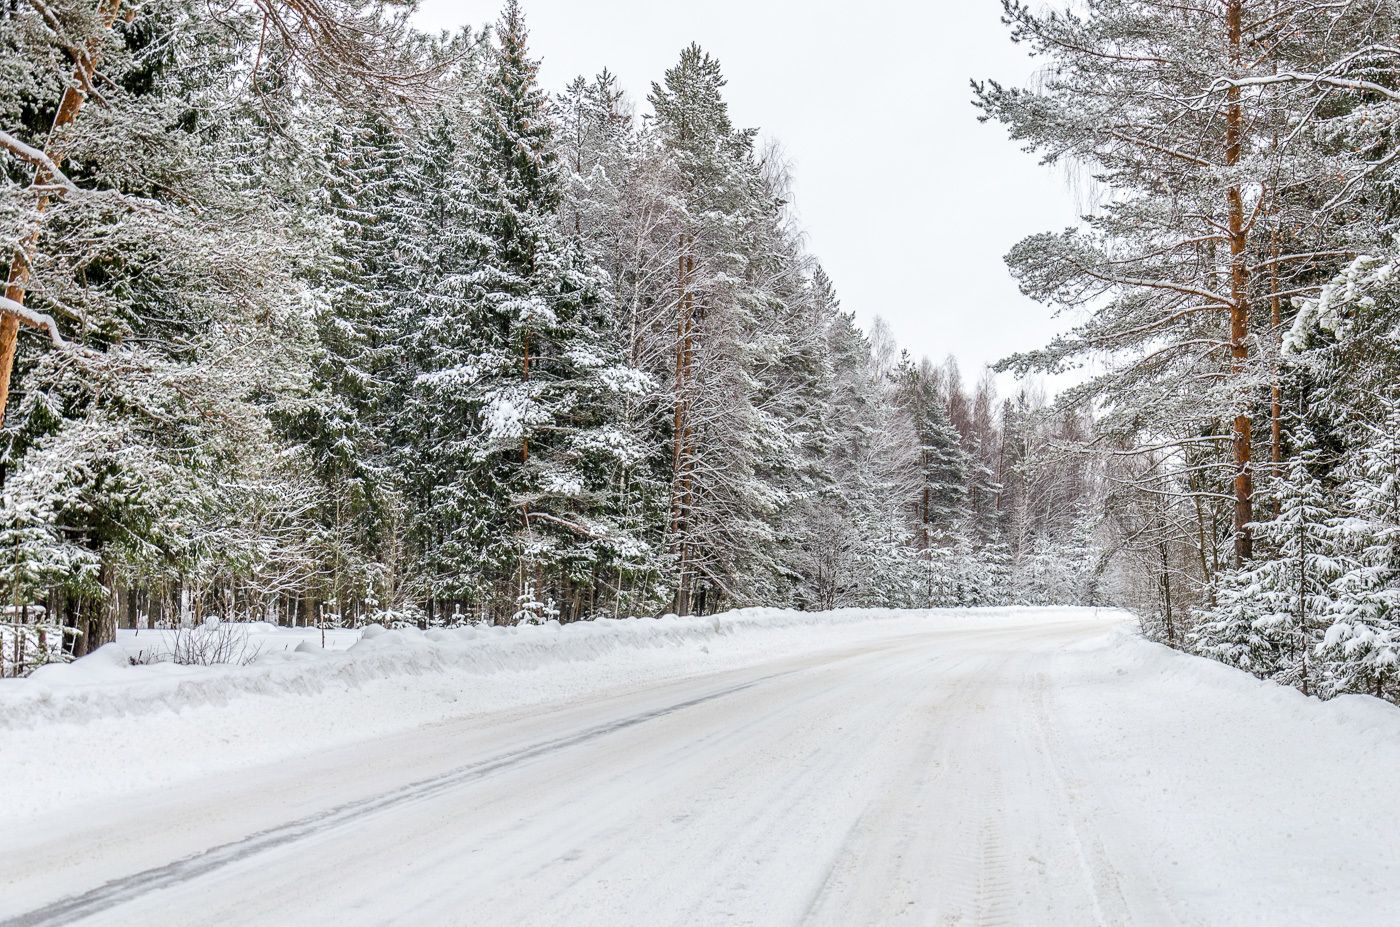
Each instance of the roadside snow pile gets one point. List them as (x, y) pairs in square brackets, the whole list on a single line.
[(119, 679), (1240, 700)]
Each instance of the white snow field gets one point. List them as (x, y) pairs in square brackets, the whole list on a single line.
[(1036, 766)]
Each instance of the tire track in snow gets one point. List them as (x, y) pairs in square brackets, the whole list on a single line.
[(896, 835), (907, 788), (137, 884), (1105, 883)]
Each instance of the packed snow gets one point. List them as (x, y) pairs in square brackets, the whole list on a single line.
[(1044, 766)]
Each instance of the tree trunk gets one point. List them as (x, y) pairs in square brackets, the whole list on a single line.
[(1241, 437), (17, 282), (525, 377), (1167, 592), (681, 444), (1276, 388)]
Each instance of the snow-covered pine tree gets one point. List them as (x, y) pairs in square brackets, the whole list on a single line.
[(721, 505), (142, 440), (1187, 268)]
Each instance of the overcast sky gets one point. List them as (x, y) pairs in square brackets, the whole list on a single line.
[(908, 201)]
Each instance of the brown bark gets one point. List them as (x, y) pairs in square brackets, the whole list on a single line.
[(1276, 388), (17, 282), (1241, 438)]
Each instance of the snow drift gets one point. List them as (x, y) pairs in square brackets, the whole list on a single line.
[(113, 680)]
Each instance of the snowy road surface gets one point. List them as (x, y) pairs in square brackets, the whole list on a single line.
[(1045, 768)]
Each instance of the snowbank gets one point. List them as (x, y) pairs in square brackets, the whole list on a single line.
[(1244, 703), (114, 680)]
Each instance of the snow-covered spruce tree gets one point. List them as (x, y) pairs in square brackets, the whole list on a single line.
[(877, 461), (812, 526), (982, 440), (1344, 349), (512, 433), (597, 142), (853, 536), (614, 202), (365, 196), (942, 504), (1269, 616), (942, 516), (1360, 651), (366, 217), (1061, 568)]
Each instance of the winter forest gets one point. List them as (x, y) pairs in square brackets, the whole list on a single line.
[(378, 329), (315, 319)]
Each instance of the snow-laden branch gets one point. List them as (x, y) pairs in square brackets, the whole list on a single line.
[(1294, 77), (34, 156), (59, 33), (564, 523), (1150, 284), (40, 320)]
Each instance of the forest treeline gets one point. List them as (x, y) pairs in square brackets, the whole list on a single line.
[(327, 321), (1237, 286)]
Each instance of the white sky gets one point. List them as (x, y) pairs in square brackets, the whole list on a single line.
[(908, 201)]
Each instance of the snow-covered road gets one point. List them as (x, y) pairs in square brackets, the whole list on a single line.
[(1043, 769)]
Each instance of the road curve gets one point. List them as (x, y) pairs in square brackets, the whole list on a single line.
[(926, 776)]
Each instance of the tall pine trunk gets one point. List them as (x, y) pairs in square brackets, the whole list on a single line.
[(17, 282), (1276, 387), (1238, 232)]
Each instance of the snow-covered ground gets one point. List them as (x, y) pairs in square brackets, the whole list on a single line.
[(102, 719), (1023, 766)]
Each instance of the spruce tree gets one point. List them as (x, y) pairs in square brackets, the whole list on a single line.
[(1268, 616), (519, 370), (1361, 648)]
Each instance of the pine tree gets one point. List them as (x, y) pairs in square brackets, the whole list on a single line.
[(722, 506), (1214, 219), (163, 273)]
